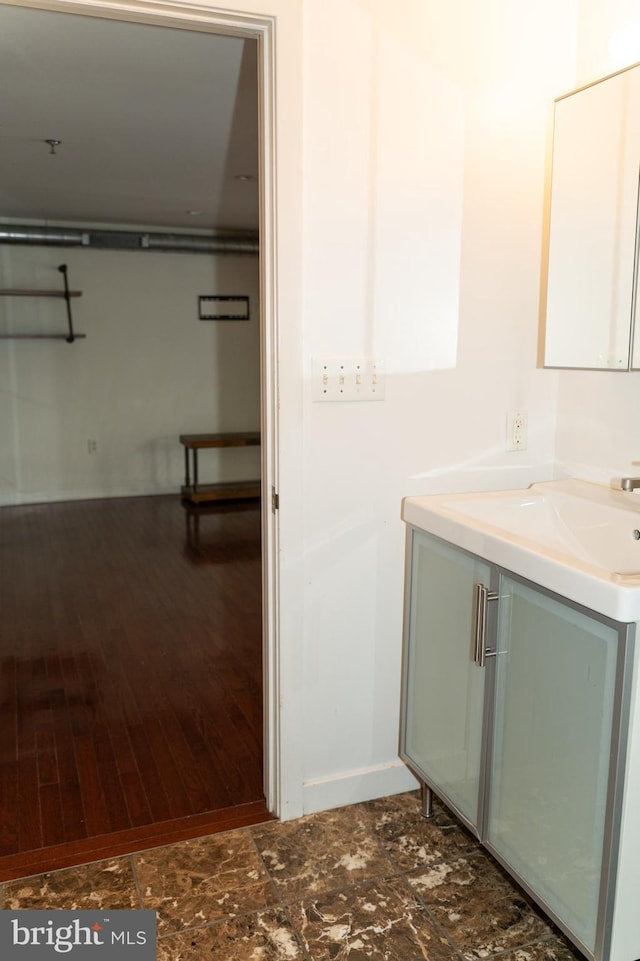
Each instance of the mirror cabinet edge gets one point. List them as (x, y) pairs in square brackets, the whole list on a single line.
[(546, 233), (546, 227)]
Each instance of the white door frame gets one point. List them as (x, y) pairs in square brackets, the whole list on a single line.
[(262, 28)]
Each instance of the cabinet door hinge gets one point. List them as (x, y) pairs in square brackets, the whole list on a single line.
[(275, 500)]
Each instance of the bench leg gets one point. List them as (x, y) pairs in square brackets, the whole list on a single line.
[(186, 467)]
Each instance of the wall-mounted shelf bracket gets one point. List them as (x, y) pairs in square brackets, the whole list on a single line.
[(67, 294), (63, 270)]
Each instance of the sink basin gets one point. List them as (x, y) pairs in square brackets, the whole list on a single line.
[(578, 539)]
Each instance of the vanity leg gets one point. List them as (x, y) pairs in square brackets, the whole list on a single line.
[(427, 802)]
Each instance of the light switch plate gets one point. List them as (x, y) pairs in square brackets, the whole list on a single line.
[(346, 379)]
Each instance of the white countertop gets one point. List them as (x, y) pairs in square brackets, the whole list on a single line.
[(578, 539)]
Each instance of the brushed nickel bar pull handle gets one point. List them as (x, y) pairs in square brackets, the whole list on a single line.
[(479, 615), (481, 597)]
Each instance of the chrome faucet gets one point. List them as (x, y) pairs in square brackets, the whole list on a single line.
[(629, 483)]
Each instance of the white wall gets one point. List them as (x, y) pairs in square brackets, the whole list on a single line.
[(424, 162), (147, 371), (411, 142), (599, 412)]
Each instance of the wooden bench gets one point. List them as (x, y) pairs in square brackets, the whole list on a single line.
[(195, 492)]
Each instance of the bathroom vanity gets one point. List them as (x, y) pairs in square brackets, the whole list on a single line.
[(520, 704)]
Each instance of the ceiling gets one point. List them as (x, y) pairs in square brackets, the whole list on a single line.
[(156, 124)]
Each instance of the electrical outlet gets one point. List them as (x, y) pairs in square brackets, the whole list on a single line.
[(517, 430), (92, 446)]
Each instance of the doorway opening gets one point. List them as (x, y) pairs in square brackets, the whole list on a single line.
[(146, 577)]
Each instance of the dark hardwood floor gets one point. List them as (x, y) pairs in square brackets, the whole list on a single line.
[(130, 677)]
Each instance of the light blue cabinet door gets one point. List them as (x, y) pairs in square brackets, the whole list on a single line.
[(552, 740), (443, 687)]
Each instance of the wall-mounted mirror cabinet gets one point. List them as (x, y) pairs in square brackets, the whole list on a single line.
[(592, 253)]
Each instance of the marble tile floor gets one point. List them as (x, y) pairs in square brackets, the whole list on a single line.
[(370, 882)]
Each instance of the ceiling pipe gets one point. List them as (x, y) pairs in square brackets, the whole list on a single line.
[(243, 244)]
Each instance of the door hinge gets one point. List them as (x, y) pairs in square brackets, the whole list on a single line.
[(275, 500)]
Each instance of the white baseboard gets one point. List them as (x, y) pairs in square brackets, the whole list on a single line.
[(322, 794), (13, 499)]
